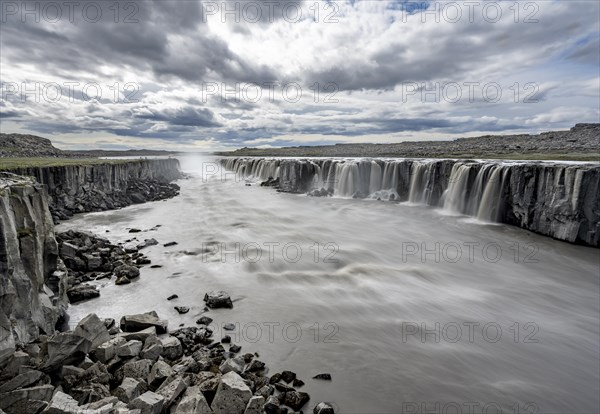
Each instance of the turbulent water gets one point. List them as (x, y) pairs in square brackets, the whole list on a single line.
[(410, 308)]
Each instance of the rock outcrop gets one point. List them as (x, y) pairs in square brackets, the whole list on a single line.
[(105, 186), (550, 198), (32, 287)]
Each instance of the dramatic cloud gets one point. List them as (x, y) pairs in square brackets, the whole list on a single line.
[(204, 75)]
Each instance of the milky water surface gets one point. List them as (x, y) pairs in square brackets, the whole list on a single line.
[(408, 308)]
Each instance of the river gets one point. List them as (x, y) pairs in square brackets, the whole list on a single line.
[(409, 308)]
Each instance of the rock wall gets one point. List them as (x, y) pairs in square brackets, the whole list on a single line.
[(96, 187), (32, 289), (560, 200)]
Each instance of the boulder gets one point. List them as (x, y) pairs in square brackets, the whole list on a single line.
[(265, 391), (233, 364), (68, 251), (139, 370), (204, 320), (171, 389), (66, 349), (148, 403), (172, 348), (255, 405), (82, 292), (19, 401), (323, 408), (93, 329), (14, 362), (129, 349), (90, 392), (218, 299), (255, 366), (130, 272), (159, 373), (140, 335), (272, 405), (106, 351), (147, 243), (96, 373), (62, 403), (93, 262), (295, 399), (123, 280), (130, 247), (135, 323), (288, 376), (129, 390), (232, 395), (152, 352), (24, 380), (192, 402), (103, 406)]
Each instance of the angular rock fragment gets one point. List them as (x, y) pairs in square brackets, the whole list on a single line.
[(218, 299), (135, 323), (232, 395)]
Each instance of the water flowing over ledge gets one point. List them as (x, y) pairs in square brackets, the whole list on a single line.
[(551, 198)]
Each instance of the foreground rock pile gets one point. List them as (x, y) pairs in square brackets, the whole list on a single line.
[(102, 367), (88, 257)]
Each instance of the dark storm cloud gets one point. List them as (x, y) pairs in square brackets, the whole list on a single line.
[(187, 116), (141, 38)]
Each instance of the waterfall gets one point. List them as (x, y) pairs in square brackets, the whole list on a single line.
[(489, 207), (456, 195), (375, 179), (418, 182), (347, 179)]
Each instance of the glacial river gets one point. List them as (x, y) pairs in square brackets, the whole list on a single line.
[(408, 308)]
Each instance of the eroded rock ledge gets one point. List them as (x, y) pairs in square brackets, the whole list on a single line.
[(97, 187)]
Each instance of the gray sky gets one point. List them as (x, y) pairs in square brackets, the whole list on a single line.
[(210, 75)]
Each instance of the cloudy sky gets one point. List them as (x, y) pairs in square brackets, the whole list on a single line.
[(208, 75)]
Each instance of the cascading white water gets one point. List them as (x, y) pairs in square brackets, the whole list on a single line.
[(489, 206), (347, 178), (455, 197), (418, 182), (473, 188), (375, 179)]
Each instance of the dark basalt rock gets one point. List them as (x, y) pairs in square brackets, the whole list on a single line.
[(288, 376), (326, 377), (82, 292), (218, 299), (323, 408), (295, 399), (204, 320), (135, 323), (182, 309)]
